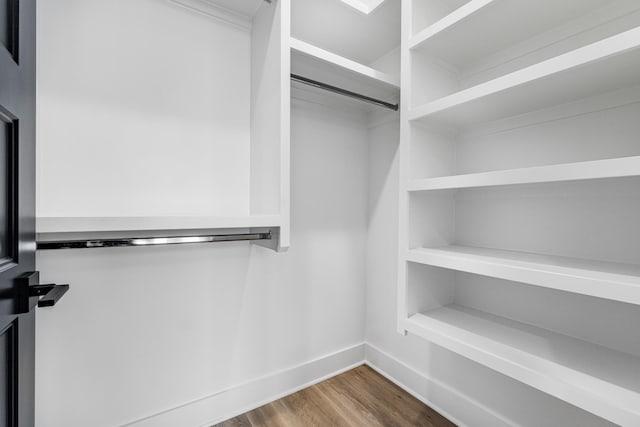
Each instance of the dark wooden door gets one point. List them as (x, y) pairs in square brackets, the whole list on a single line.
[(17, 208)]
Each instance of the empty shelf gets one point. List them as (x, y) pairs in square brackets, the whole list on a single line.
[(600, 67), (595, 169), (315, 63), (141, 223), (482, 27), (600, 380), (614, 281)]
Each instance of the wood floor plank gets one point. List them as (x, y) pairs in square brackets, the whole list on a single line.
[(390, 402), (386, 401), (239, 421), (360, 397)]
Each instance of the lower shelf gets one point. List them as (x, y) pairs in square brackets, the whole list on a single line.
[(597, 379), (615, 281)]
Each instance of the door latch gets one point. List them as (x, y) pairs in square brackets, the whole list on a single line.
[(29, 293)]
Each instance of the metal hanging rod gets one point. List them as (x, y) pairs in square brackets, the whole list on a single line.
[(150, 241), (344, 92)]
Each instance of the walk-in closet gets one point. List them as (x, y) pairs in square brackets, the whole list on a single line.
[(292, 213)]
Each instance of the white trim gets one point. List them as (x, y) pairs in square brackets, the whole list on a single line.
[(393, 369), (244, 397), (240, 398), (217, 12)]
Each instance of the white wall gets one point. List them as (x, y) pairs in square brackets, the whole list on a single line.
[(466, 391), (138, 101), (145, 330)]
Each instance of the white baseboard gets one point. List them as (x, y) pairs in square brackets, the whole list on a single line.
[(432, 392), (244, 397)]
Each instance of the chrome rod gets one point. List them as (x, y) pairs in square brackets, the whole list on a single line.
[(149, 241), (344, 92)]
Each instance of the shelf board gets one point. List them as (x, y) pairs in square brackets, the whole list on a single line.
[(600, 67), (482, 27), (614, 281), (318, 64), (579, 171), (597, 379), (146, 223)]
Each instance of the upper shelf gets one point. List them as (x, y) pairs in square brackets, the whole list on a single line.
[(595, 169), (143, 223), (482, 27), (600, 380), (336, 64), (600, 67), (318, 64), (614, 281)]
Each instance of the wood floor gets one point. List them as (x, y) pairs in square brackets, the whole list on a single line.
[(360, 397)]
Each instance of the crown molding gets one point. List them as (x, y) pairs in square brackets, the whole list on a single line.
[(212, 10)]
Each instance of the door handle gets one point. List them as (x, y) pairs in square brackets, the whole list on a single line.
[(29, 290)]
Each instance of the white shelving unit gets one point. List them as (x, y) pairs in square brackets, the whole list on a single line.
[(579, 171), (519, 165), (488, 26), (584, 374), (318, 64), (358, 53), (591, 70), (620, 282), (326, 62)]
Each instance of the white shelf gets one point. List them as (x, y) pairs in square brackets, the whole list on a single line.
[(337, 64), (142, 223), (600, 67), (595, 169), (592, 377), (614, 281), (318, 64), (482, 27)]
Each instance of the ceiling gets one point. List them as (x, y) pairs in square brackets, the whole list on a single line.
[(342, 29), (364, 6)]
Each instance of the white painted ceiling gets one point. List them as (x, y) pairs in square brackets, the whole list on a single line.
[(342, 29), (364, 6)]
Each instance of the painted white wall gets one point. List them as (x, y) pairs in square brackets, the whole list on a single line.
[(468, 392), (143, 110), (145, 331)]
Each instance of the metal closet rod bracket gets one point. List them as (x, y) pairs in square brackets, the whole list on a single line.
[(150, 241), (340, 91)]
